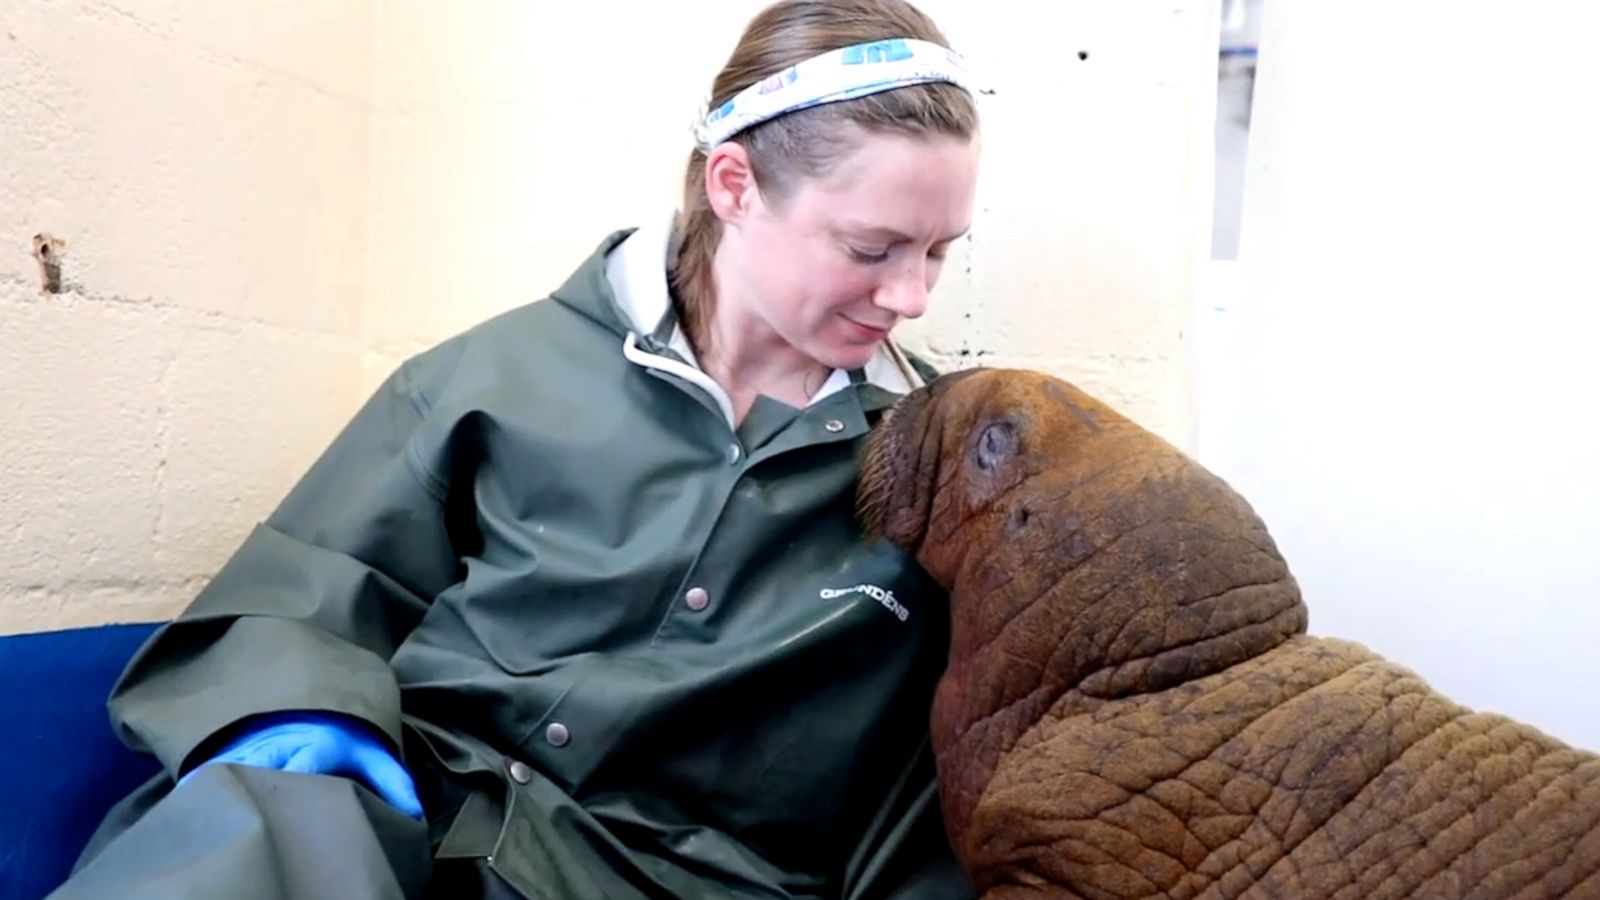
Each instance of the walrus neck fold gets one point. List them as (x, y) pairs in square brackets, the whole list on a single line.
[(1142, 576), (1256, 626), (1173, 579)]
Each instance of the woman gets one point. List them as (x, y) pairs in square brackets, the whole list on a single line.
[(577, 605)]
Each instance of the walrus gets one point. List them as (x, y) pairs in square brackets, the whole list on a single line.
[(1133, 706)]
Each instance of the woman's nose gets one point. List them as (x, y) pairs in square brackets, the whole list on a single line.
[(905, 295)]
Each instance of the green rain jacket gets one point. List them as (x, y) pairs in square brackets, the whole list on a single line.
[(628, 650)]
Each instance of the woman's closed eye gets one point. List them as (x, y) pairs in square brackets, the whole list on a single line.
[(868, 256)]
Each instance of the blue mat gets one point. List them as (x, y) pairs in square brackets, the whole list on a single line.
[(61, 768)]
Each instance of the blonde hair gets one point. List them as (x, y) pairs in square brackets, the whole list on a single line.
[(805, 143)]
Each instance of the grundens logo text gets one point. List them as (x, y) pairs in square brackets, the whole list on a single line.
[(871, 590)]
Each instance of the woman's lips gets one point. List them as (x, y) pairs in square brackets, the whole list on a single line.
[(865, 331)]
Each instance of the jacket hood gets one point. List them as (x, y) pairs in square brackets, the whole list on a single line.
[(588, 292)]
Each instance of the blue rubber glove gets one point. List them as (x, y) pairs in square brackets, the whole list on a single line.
[(322, 744)]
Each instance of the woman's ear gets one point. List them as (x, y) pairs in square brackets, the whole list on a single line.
[(730, 183)]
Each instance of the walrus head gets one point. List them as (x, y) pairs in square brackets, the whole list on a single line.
[(1086, 559)]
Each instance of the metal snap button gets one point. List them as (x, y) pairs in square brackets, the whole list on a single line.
[(834, 426), (697, 599), (520, 773), (735, 453), (557, 734)]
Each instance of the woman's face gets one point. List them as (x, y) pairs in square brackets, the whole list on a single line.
[(835, 265)]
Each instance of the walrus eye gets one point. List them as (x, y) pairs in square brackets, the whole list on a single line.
[(997, 443)]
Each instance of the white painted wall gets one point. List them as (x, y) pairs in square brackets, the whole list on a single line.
[(1401, 376)]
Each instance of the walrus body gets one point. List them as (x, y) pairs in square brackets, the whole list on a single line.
[(1132, 706)]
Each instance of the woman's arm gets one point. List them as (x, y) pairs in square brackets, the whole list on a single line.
[(307, 612)]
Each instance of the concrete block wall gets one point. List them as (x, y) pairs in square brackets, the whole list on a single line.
[(269, 205), (206, 165), (1095, 199)]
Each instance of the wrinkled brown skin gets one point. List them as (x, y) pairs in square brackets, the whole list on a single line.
[(1133, 708)]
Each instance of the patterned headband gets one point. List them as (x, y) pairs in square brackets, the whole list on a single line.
[(843, 74)]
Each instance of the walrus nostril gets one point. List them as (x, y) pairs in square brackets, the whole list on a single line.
[(1020, 517)]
